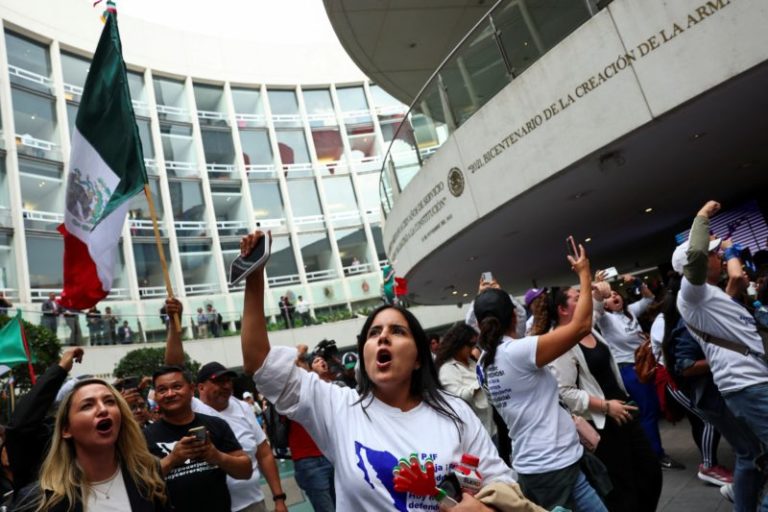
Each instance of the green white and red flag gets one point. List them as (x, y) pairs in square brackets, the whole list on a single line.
[(106, 171)]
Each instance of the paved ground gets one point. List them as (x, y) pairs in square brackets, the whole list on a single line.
[(682, 491)]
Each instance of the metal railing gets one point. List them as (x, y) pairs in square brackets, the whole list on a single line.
[(320, 275), (29, 75), (483, 63)]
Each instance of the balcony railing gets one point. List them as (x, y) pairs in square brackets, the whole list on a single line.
[(172, 113), (15, 71), (147, 292), (270, 223), (250, 120), (41, 220), (261, 172), (298, 170), (283, 280), (29, 145), (73, 92), (360, 268), (143, 227), (203, 288), (321, 275), (483, 63), (191, 228), (344, 219), (309, 221), (231, 227)]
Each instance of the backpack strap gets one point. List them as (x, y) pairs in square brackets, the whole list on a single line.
[(735, 346)]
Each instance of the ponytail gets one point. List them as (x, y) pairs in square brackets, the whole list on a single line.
[(542, 317), (491, 332)]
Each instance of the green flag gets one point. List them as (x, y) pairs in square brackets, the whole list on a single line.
[(12, 348)]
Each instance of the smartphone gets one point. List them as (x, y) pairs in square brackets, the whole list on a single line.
[(611, 273), (243, 266), (486, 277), (451, 486), (199, 432), (570, 246), (636, 412)]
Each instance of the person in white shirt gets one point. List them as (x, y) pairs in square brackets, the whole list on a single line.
[(482, 285), (619, 325), (457, 371), (708, 311), (214, 385), (302, 309), (547, 452), (590, 386), (400, 409)]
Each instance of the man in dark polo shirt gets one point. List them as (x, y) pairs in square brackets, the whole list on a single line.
[(195, 470)]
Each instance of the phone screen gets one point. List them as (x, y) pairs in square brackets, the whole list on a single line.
[(486, 277)]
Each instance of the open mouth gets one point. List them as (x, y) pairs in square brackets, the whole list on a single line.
[(104, 425), (383, 358)]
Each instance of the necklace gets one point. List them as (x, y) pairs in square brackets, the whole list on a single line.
[(95, 486)]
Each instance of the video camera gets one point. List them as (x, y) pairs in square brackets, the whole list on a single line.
[(327, 349)]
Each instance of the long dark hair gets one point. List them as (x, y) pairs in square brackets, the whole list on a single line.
[(496, 321), (458, 336), (424, 381), (545, 312)]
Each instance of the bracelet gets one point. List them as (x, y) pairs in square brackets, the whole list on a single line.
[(607, 407), (278, 497), (731, 252)]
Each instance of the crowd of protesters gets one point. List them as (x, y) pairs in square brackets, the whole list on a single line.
[(554, 398)]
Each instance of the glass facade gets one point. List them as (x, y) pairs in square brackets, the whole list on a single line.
[(222, 159)]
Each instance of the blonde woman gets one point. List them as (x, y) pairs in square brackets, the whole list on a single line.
[(98, 460)]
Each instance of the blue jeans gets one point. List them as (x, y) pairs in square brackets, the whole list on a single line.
[(647, 401), (585, 498), (750, 405), (314, 475)]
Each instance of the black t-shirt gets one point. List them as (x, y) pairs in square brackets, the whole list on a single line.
[(599, 362), (194, 485)]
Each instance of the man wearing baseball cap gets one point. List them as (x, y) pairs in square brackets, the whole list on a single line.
[(713, 317), (214, 385)]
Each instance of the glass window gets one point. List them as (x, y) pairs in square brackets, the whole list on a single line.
[(4, 196), (353, 248), (139, 208), (368, 186), (281, 261), (44, 259), (34, 115), (256, 147), (293, 147), (42, 190), (74, 69), (209, 97), (328, 145), (145, 134), (382, 99), (230, 249), (304, 199), (283, 102), (351, 98), (389, 126), (71, 117), (318, 102), (362, 142), (218, 146), (378, 239), (148, 268), (27, 54), (136, 86), (196, 263), (177, 142), (7, 262), (267, 201), (247, 101), (316, 252), (169, 92), (187, 201), (339, 195)]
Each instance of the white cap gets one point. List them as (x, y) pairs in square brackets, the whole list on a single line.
[(680, 256), (247, 394)]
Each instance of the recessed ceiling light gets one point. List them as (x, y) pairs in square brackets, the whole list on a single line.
[(697, 136), (648, 210), (472, 258), (465, 294), (588, 239), (455, 292)]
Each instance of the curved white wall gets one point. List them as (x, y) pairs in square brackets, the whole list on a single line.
[(241, 58), (576, 99)]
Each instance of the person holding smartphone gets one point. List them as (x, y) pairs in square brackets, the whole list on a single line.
[(547, 452), (590, 385), (197, 452)]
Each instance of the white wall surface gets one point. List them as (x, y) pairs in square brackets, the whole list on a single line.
[(721, 39)]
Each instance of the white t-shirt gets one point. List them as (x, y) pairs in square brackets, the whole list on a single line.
[(240, 418), (621, 332), (109, 495), (657, 337), (543, 434), (364, 445), (711, 310)]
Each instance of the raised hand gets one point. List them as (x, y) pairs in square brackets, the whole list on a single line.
[(709, 209)]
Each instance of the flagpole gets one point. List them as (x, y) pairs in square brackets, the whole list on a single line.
[(13, 393), (161, 252)]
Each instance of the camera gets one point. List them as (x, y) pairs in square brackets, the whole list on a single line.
[(327, 349)]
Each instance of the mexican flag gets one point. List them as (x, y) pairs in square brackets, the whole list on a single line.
[(106, 170)]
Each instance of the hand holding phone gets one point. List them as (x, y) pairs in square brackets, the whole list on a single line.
[(255, 257), (486, 277), (200, 433), (570, 247)]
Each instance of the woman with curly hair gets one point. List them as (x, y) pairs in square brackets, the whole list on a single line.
[(98, 460)]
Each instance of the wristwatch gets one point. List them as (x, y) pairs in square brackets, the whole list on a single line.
[(280, 496)]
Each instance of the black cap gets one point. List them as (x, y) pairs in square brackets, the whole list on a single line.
[(213, 370), (494, 302)]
